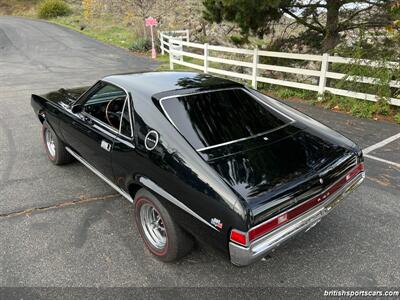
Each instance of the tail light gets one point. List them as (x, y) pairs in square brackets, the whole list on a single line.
[(238, 237), (266, 227)]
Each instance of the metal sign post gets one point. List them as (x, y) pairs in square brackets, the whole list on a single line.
[(151, 22)]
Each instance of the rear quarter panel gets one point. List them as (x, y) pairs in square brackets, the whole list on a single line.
[(179, 170)]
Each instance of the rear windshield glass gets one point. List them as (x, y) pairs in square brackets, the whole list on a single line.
[(217, 117)]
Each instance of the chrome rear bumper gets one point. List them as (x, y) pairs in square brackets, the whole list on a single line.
[(243, 256)]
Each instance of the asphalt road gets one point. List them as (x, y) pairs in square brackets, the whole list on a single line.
[(48, 240)]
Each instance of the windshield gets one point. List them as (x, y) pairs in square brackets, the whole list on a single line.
[(219, 117)]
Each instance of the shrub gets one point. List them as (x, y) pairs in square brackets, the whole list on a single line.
[(362, 109), (53, 8), (397, 118), (141, 44), (238, 40), (382, 108)]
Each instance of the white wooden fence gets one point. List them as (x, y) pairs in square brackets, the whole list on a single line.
[(178, 45), (167, 36)]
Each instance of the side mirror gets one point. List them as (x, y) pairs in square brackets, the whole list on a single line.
[(77, 108)]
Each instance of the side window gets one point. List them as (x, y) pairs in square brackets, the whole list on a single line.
[(107, 105), (125, 126), (105, 94)]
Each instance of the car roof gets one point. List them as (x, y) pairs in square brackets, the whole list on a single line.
[(160, 84)]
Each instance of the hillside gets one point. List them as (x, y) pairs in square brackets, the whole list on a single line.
[(17, 7)]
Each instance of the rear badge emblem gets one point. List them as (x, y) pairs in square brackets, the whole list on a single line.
[(151, 140), (321, 181), (282, 219), (217, 223)]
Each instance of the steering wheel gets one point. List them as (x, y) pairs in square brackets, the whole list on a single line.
[(110, 114)]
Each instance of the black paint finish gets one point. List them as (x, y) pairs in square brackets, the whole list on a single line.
[(223, 116), (241, 183)]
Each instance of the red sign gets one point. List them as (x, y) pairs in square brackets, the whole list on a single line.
[(151, 22)]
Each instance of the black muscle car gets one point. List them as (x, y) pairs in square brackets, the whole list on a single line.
[(202, 158)]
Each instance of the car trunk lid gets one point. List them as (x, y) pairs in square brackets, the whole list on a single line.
[(274, 172)]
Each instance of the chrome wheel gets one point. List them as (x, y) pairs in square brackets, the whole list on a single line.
[(153, 226), (50, 144)]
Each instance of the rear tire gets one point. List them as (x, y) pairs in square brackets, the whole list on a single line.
[(54, 147), (161, 235)]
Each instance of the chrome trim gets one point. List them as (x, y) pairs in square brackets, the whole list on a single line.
[(105, 145), (114, 136), (243, 139), (157, 189), (50, 144), (115, 133), (98, 173), (111, 134), (146, 182), (126, 143), (266, 104), (155, 142), (198, 93), (243, 256), (226, 89), (153, 226), (83, 113), (351, 167), (131, 117), (122, 114)]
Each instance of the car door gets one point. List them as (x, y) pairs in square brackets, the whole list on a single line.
[(125, 160), (89, 132)]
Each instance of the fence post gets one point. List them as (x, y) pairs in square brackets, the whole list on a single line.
[(322, 78), (181, 48), (255, 64), (171, 63), (187, 35), (162, 43), (206, 58)]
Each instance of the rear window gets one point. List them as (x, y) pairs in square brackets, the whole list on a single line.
[(218, 117)]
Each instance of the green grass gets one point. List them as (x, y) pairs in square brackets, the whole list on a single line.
[(104, 29), (397, 117), (164, 60), (355, 107)]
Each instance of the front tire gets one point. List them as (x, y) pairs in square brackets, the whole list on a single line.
[(54, 147), (161, 235)]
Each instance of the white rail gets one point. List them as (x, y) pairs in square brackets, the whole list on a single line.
[(166, 36), (178, 45)]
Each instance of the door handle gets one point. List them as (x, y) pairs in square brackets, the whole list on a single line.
[(105, 145)]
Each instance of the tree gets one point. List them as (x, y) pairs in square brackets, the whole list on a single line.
[(142, 9), (154, 8), (324, 21)]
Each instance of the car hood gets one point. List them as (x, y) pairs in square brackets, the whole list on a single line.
[(274, 172), (66, 96)]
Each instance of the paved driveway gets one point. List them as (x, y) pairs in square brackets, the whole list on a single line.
[(62, 226)]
